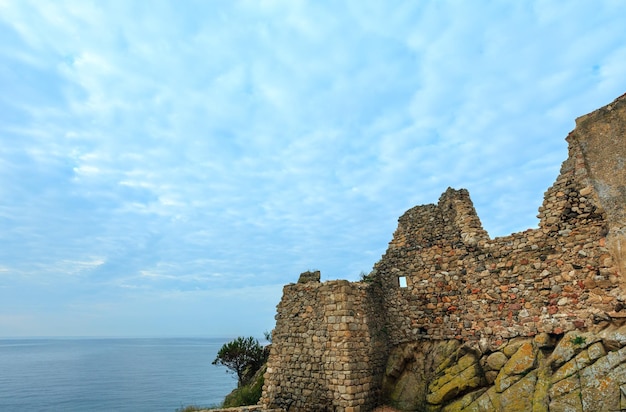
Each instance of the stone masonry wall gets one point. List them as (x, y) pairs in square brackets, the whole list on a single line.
[(327, 353), (463, 285)]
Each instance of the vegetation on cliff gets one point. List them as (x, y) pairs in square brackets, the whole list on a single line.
[(243, 356), (247, 358), (249, 393)]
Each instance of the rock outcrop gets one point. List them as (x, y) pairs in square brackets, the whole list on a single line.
[(577, 371)]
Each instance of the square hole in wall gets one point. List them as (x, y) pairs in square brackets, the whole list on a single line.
[(402, 281)]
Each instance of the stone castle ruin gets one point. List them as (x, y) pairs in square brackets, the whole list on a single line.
[(452, 320)]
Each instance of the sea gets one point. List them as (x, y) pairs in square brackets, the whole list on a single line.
[(111, 374)]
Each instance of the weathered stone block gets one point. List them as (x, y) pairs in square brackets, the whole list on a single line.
[(571, 344), (518, 397), (521, 361), (571, 402), (564, 387), (309, 277), (572, 366), (496, 361), (469, 378)]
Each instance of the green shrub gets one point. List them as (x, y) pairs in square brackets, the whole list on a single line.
[(243, 356), (247, 394)]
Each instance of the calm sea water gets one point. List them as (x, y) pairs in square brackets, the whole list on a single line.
[(110, 374)]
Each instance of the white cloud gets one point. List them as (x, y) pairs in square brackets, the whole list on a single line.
[(242, 143)]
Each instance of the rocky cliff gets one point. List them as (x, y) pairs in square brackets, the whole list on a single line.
[(577, 371)]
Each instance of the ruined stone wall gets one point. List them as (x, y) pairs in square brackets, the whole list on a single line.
[(448, 298), (463, 285), (328, 354)]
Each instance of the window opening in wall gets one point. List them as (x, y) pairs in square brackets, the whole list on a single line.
[(402, 281)]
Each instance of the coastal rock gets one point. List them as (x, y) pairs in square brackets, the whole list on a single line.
[(572, 376), (496, 361)]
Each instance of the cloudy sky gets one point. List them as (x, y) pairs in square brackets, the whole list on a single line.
[(167, 166)]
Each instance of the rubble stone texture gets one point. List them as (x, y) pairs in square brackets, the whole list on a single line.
[(528, 322)]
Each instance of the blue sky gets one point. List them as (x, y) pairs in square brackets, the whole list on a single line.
[(167, 166)]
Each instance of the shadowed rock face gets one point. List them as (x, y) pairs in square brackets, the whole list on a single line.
[(452, 320)]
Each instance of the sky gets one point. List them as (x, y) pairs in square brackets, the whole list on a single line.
[(167, 166)]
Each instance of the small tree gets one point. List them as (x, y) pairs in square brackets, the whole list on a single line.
[(243, 356)]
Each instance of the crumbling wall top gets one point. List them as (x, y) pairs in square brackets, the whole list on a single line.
[(452, 221)]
